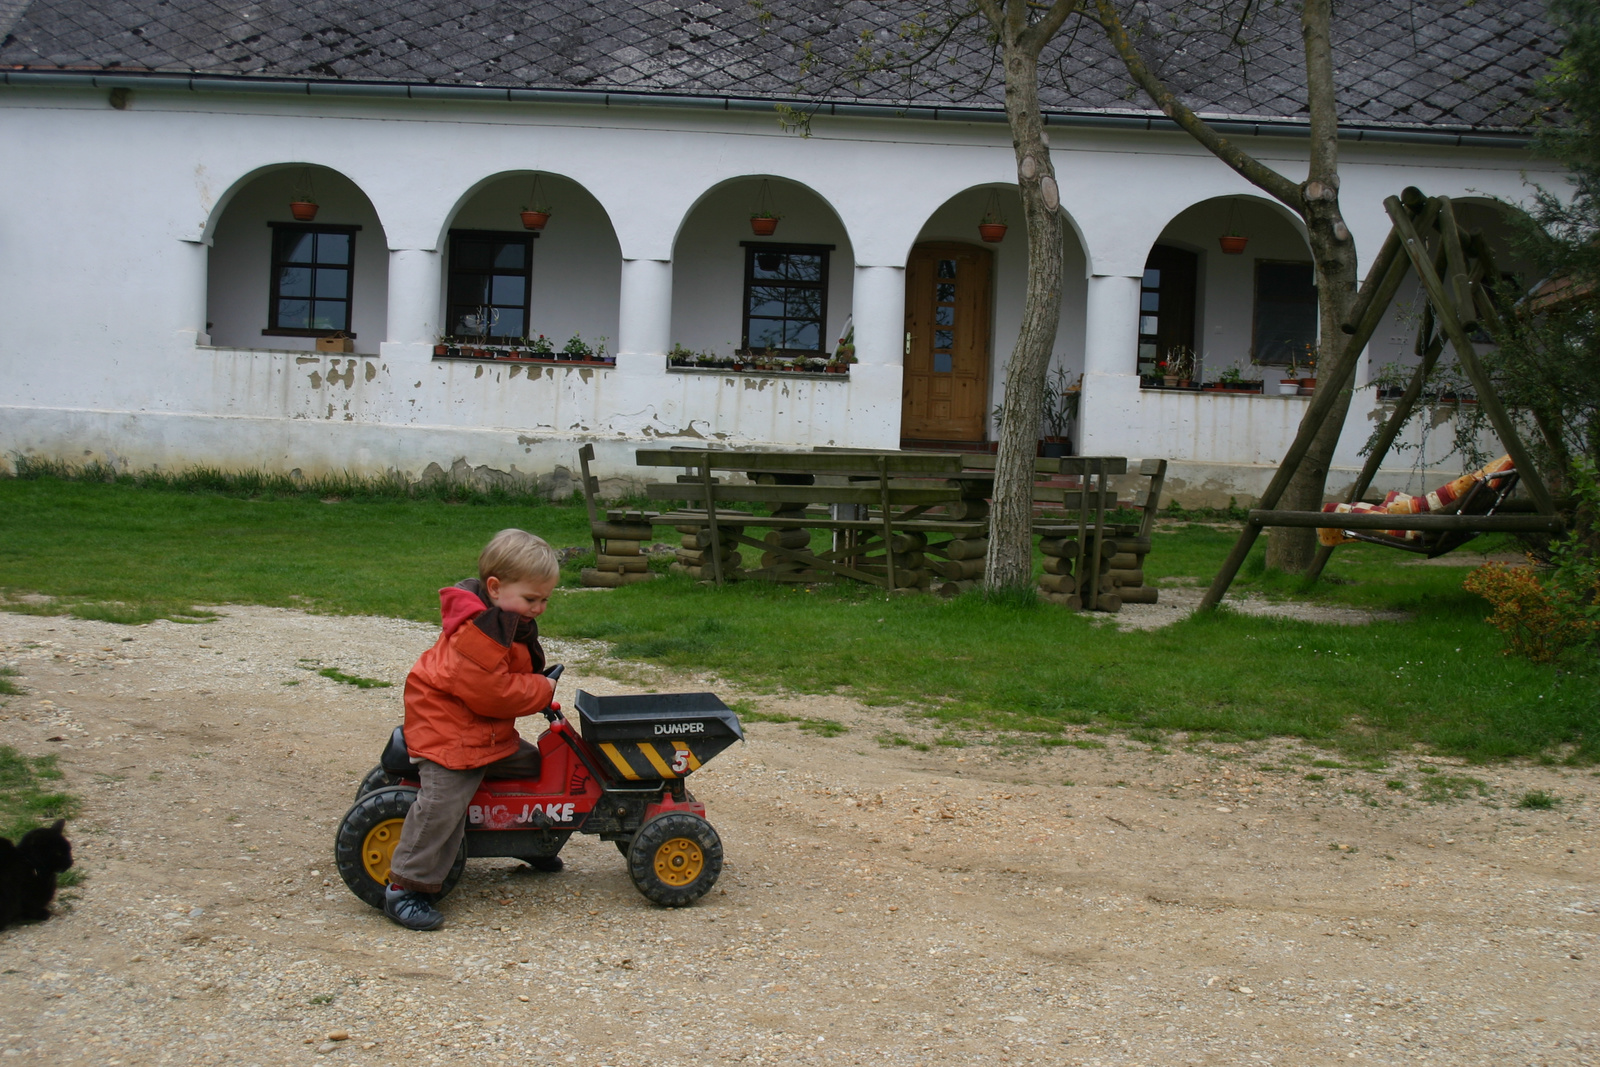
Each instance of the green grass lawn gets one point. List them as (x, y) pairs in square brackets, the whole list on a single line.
[(128, 554)]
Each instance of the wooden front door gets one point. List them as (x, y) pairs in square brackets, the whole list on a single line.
[(946, 390)]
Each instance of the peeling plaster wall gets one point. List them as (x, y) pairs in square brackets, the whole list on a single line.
[(104, 277)]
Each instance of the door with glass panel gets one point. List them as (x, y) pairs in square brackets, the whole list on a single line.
[(946, 388)]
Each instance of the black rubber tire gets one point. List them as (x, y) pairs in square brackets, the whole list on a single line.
[(366, 815), (681, 832), (377, 778)]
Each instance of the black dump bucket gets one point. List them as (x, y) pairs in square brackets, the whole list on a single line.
[(656, 735)]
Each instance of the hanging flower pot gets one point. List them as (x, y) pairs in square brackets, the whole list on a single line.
[(763, 225), (536, 212), (303, 204), (1232, 244), (764, 213), (992, 227)]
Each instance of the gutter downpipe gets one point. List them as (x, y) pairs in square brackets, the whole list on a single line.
[(602, 98)]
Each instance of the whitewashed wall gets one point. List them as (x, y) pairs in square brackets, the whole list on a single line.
[(123, 219)]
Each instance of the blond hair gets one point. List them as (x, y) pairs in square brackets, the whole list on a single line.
[(516, 556)]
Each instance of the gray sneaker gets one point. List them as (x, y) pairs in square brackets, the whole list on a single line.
[(413, 910)]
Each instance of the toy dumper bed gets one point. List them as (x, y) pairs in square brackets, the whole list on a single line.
[(656, 736)]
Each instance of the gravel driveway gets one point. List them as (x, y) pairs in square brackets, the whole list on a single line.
[(998, 903)]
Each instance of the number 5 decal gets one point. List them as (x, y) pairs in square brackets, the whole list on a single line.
[(680, 761)]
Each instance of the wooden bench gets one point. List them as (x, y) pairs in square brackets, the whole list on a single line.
[(1090, 562), (908, 499)]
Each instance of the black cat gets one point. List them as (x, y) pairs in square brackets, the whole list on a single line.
[(28, 872)]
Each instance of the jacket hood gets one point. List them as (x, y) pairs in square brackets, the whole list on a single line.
[(460, 604)]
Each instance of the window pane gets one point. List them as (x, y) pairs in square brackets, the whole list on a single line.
[(294, 314), (943, 363), (329, 315), (508, 289), (1152, 278), (807, 335), (514, 256), (465, 323), (510, 322), (469, 289), (1147, 352), (947, 268), (1147, 324), (1149, 301), (804, 303), (296, 246), (945, 316), (764, 332), (805, 268), (332, 283), (1286, 312), (294, 281), (946, 293), (333, 248), (472, 255), (766, 300), (943, 338)]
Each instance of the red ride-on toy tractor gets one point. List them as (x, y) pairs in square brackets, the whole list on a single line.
[(621, 777)]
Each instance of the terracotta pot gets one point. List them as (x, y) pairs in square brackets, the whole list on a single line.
[(1233, 246), (1169, 380), (993, 232), (535, 220), (763, 227), (1308, 383), (302, 210), (441, 350)]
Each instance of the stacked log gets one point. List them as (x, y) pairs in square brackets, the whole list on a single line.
[(620, 559), (1127, 567), (912, 567), (962, 567), (1060, 584), (693, 556), (784, 567)]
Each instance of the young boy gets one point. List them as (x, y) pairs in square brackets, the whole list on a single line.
[(462, 698)]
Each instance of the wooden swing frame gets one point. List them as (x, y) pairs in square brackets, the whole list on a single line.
[(1452, 275)]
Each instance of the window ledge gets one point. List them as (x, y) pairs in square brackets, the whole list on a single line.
[(305, 333), (757, 372), (549, 361)]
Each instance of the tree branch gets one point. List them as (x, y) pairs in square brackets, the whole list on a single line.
[(1252, 170), (1041, 32)]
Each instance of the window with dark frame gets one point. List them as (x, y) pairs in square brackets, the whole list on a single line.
[(1166, 305), (312, 273), (786, 298), (1285, 328), (491, 284)]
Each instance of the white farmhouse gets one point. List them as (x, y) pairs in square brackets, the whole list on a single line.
[(164, 286)]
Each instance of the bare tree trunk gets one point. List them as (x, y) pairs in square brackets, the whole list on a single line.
[(1335, 256), (1316, 200), (1010, 560)]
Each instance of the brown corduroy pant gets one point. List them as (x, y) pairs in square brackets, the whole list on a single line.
[(435, 824)]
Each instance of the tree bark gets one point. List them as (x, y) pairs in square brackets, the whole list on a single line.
[(1316, 201), (1009, 564), (1334, 253)]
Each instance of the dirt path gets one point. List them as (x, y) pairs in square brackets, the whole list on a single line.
[(880, 905)]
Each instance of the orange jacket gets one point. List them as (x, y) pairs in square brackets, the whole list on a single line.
[(465, 692)]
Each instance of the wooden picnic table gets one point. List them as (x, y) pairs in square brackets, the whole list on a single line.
[(884, 508)]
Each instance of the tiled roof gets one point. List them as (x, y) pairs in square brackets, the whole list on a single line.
[(1454, 63)]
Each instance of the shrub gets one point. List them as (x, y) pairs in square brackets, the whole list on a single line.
[(1541, 619)]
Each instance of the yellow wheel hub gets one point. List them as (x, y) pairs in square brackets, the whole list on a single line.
[(679, 861), (378, 849)]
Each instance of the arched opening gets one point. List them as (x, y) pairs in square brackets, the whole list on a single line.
[(1228, 295), (964, 302), (736, 289), (505, 281), (276, 279)]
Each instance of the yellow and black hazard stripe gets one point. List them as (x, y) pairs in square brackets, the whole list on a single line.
[(636, 760)]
